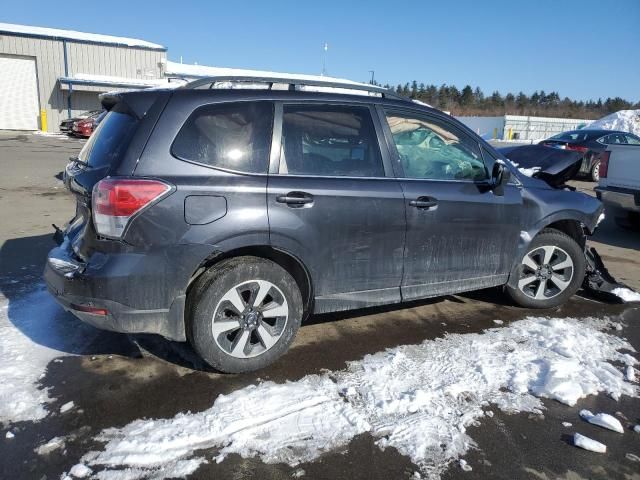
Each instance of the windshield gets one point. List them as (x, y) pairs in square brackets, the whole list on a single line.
[(109, 141)]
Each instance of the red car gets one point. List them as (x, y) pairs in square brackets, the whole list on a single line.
[(85, 127)]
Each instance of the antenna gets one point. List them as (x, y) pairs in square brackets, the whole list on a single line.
[(325, 47)]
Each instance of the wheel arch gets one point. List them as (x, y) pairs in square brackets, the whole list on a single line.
[(286, 260)]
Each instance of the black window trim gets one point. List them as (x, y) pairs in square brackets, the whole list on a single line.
[(276, 141), (397, 164), (224, 169)]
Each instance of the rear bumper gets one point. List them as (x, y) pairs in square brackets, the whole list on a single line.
[(133, 293), (625, 199)]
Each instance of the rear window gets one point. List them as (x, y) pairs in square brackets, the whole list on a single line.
[(234, 136), (571, 136), (110, 141)]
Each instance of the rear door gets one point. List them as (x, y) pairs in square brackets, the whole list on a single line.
[(333, 203), (460, 235), (624, 167)]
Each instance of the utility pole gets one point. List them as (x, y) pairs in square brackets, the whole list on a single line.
[(373, 77), (325, 47)]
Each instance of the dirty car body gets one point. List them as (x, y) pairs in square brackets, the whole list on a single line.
[(332, 195)]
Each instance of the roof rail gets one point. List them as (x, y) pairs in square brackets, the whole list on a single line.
[(295, 82)]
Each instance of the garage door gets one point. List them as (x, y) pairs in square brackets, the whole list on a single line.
[(18, 94)]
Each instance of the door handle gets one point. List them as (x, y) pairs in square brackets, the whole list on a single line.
[(295, 199), (424, 202)]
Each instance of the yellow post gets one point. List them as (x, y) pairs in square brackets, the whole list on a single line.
[(43, 120), (495, 133), (510, 133)]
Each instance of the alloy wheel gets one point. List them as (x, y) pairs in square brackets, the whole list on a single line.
[(250, 318), (546, 272)]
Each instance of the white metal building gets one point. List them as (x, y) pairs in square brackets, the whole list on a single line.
[(47, 74), (518, 127)]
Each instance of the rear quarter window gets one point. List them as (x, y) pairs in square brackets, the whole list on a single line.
[(233, 136)]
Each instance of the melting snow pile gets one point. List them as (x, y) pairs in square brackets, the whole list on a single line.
[(420, 399), (623, 120), (33, 331), (588, 444), (603, 420)]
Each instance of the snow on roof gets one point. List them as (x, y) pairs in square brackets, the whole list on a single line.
[(623, 120), (79, 36), (201, 71)]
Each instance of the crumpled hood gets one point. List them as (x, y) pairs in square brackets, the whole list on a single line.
[(553, 165)]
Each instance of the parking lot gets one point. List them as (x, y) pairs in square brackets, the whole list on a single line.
[(114, 379)]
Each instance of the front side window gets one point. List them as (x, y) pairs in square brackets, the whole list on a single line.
[(234, 136), (431, 148), (329, 140), (614, 139)]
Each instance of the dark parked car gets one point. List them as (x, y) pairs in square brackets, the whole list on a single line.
[(66, 126), (590, 143), (226, 216)]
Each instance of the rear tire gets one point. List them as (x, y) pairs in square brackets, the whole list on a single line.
[(244, 314), (549, 273)]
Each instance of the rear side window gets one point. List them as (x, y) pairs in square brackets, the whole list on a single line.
[(234, 136), (110, 141), (329, 140)]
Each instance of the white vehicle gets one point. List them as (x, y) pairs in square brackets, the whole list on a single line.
[(619, 184)]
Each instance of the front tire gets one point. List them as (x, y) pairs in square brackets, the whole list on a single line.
[(245, 313), (549, 273)]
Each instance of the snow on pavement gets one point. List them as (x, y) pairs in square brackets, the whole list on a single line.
[(33, 331), (419, 399), (589, 444), (626, 294), (603, 420)]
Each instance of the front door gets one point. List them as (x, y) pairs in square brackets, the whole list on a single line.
[(460, 234), (333, 204)]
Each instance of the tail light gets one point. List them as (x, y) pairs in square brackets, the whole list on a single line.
[(604, 164), (577, 148), (116, 201)]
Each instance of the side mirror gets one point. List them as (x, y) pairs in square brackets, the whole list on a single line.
[(499, 177)]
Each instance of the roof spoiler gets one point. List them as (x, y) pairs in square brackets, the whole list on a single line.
[(134, 102)]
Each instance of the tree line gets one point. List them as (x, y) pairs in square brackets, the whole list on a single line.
[(472, 101)]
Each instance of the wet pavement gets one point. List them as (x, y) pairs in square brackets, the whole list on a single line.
[(116, 379)]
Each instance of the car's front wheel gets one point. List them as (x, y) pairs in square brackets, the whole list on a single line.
[(549, 273), (245, 313)]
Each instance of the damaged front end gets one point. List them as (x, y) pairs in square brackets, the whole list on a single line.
[(556, 167), (599, 283)]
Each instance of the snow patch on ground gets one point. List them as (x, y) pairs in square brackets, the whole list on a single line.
[(33, 331), (589, 444), (626, 294), (603, 420), (66, 407), (54, 444), (419, 399), (623, 120)]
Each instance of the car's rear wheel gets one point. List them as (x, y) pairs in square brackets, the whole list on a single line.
[(245, 313), (595, 171), (549, 273)]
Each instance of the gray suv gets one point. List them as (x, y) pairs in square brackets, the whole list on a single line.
[(225, 216)]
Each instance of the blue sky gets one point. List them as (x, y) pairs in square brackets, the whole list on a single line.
[(581, 48)]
